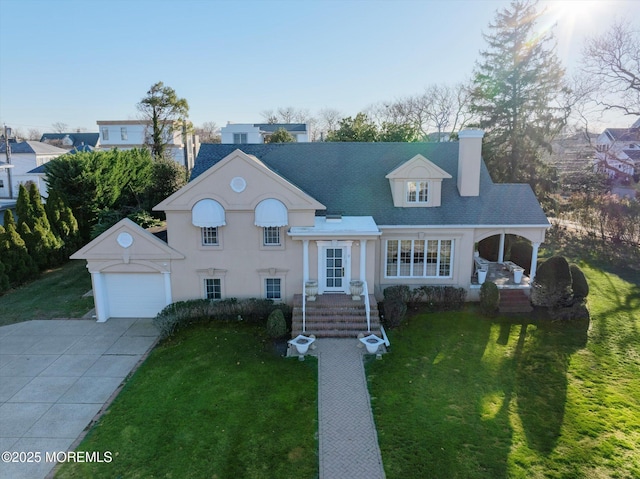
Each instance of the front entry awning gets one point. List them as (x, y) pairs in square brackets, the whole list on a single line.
[(338, 226)]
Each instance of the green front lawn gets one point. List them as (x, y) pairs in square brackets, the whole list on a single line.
[(212, 402), (56, 294), (461, 396)]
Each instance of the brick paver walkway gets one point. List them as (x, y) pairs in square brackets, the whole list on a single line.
[(347, 434)]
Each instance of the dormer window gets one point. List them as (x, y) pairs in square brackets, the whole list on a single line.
[(417, 183), (418, 191)]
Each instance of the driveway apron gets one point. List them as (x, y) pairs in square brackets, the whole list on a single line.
[(55, 376)]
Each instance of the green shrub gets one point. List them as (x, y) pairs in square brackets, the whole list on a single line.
[(276, 325), (489, 297), (579, 283), (438, 298), (552, 285), (395, 304), (394, 312), (181, 314)]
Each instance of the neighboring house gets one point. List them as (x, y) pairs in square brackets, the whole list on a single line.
[(70, 141), (25, 156), (253, 133), (129, 134), (263, 220), (618, 152)]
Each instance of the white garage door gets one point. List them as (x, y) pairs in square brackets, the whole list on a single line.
[(134, 295)]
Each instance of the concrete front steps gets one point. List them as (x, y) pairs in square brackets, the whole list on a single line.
[(514, 301), (335, 316)]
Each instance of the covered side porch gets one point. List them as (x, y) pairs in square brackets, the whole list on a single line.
[(508, 257)]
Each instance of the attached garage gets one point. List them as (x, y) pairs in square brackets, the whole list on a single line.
[(130, 272), (134, 295)]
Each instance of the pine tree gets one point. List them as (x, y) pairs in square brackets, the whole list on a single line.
[(517, 94), (20, 267)]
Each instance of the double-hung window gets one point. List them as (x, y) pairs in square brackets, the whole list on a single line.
[(212, 288), (271, 235), (419, 258), (123, 133), (417, 191), (209, 236), (273, 288), (105, 133)]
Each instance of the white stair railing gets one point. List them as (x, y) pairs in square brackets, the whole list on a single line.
[(304, 307), (367, 306)]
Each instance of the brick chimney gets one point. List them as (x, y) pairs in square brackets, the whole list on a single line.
[(469, 159)]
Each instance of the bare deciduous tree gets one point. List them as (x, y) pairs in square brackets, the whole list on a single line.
[(34, 134), (208, 132), (612, 62), (59, 127)]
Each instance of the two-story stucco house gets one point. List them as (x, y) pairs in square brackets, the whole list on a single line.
[(266, 220)]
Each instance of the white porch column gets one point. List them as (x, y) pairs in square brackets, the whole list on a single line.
[(168, 298), (534, 261), (305, 261), (363, 260), (501, 249), (99, 297)]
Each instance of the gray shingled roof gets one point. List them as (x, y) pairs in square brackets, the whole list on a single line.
[(349, 178), (33, 147), (78, 139)]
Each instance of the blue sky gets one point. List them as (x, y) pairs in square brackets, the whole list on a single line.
[(78, 62)]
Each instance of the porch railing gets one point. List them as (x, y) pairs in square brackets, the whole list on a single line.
[(367, 306), (304, 307)]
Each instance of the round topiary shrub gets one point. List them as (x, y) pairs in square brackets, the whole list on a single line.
[(552, 284), (276, 325), (394, 312), (579, 283), (489, 297)]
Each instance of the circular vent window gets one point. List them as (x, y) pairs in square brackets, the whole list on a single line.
[(238, 184)]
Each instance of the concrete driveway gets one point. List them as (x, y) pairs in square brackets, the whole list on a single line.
[(55, 376)]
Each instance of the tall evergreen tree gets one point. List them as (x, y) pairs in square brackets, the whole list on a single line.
[(34, 228), (63, 223), (517, 92), (20, 267)]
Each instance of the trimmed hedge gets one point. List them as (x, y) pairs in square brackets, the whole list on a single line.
[(435, 298), (179, 315), (552, 285), (562, 288), (578, 283)]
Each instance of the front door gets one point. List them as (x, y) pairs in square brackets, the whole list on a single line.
[(335, 268)]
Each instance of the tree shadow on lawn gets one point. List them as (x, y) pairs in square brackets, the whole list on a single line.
[(467, 377), (542, 359)]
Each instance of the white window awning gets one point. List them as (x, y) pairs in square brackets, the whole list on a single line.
[(207, 213), (271, 212)]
